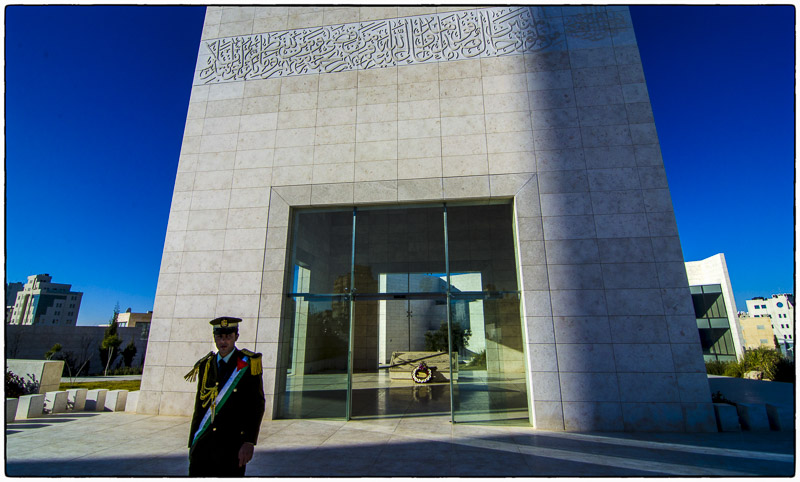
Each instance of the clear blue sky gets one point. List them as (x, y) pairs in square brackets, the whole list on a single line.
[(96, 100)]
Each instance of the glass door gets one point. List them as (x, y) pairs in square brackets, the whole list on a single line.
[(406, 310), (399, 298), (485, 316), (314, 349)]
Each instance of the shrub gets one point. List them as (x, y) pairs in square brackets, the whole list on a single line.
[(762, 359), (478, 362), (734, 369), (716, 367), (437, 340), (16, 386)]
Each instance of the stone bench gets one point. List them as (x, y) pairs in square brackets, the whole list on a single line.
[(753, 417), (727, 417), (96, 400), (77, 398), (780, 417), (115, 400), (30, 406), (55, 402), (11, 409), (46, 372)]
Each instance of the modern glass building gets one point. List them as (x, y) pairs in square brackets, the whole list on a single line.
[(477, 188), (715, 309), (712, 322)]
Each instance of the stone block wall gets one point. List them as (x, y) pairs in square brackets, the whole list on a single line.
[(554, 115)]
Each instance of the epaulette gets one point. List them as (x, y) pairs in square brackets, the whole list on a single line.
[(255, 361), (192, 375)]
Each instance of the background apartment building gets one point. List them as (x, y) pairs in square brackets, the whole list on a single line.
[(41, 302), (780, 310), (136, 320), (715, 309), (757, 332)]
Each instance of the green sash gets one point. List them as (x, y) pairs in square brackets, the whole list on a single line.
[(222, 397)]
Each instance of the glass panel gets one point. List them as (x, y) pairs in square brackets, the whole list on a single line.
[(702, 323), (695, 289), (490, 385), (400, 251), (391, 338), (720, 307), (719, 323), (710, 305), (320, 251), (313, 367), (712, 288), (481, 248), (728, 339)]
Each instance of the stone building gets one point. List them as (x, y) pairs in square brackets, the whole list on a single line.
[(757, 332), (42, 302), (352, 178), (715, 309), (780, 309)]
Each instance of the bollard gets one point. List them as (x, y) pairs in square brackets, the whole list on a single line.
[(753, 416), (132, 401), (96, 400), (781, 417), (11, 409), (727, 418), (30, 406), (55, 402), (77, 398), (115, 400)]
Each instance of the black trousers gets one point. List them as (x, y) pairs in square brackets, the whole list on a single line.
[(212, 457)]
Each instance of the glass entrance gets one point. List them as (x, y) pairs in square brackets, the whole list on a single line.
[(399, 311)]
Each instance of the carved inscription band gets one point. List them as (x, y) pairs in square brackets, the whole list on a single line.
[(468, 34)]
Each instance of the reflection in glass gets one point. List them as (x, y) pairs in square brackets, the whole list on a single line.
[(491, 384), (321, 246), (402, 249), (481, 240), (315, 359), (402, 311), (387, 334)]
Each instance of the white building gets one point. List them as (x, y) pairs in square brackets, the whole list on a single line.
[(715, 309), (780, 309), (41, 302), (332, 153)]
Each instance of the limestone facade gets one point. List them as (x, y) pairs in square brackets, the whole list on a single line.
[(557, 118)]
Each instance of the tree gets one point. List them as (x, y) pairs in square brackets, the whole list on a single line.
[(109, 347), (52, 351), (437, 340), (128, 353)]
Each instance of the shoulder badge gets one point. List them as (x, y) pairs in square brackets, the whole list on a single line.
[(255, 361), (192, 375)]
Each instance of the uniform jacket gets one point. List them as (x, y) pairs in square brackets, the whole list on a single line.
[(238, 420)]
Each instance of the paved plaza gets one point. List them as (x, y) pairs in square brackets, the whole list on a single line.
[(127, 444)]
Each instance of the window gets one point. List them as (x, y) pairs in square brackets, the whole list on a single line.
[(764, 306), (763, 341), (760, 327), (779, 304)]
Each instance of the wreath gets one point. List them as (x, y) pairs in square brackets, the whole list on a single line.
[(421, 373)]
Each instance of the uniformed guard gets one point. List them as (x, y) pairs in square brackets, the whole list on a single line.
[(228, 407)]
